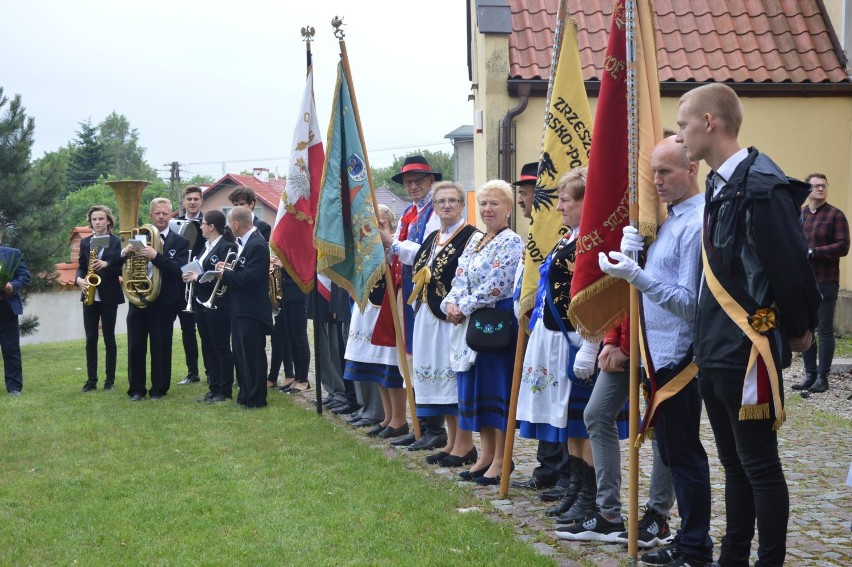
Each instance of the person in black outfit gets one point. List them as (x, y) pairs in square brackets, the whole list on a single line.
[(251, 312), (102, 312), (290, 338), (214, 322), (191, 212), (11, 307), (245, 197), (156, 320)]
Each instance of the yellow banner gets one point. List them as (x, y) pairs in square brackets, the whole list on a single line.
[(566, 141)]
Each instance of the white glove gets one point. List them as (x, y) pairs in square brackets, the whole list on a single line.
[(631, 241), (584, 362), (624, 267)]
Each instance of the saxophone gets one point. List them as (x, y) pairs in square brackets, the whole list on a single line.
[(139, 288), (276, 285), (93, 279)]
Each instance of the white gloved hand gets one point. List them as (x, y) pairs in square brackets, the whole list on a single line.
[(624, 267), (584, 362), (631, 241)]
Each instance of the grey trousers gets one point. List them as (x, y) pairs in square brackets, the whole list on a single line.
[(369, 400), (610, 393), (329, 348)]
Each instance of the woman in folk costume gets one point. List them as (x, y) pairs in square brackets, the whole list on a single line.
[(102, 307), (485, 278), (434, 268), (559, 365), (367, 361)]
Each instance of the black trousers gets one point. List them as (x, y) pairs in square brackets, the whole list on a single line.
[(290, 345), (104, 316), (155, 323), (552, 460), (10, 344), (248, 336), (216, 352), (755, 487), (190, 345)]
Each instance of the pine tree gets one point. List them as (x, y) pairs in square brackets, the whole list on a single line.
[(86, 164), (30, 195)]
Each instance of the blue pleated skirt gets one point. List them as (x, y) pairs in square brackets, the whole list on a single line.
[(382, 374)]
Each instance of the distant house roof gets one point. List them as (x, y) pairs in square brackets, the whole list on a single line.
[(268, 193), (461, 133), (397, 204), (781, 45)]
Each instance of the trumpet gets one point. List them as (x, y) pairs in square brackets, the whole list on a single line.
[(230, 259), (188, 289)]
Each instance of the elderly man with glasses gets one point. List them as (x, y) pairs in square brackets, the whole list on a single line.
[(418, 221)]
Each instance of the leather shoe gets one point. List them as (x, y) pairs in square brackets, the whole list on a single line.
[(404, 441), (365, 422), (345, 410), (435, 458), (487, 480), (427, 442), (390, 432), (109, 386), (471, 476), (157, 396), (89, 386), (137, 397), (532, 483), (374, 432), (334, 404), (190, 378), (216, 399), (455, 461), (552, 495), (354, 418)]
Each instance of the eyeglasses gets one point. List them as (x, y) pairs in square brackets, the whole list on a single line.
[(819, 186), (451, 202), (416, 181), (203, 223)]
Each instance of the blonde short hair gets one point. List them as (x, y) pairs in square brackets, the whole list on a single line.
[(574, 182), (501, 188), (156, 202), (386, 214), (717, 99), (444, 185)]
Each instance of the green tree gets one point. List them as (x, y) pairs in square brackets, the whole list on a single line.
[(86, 163), (199, 180), (123, 157), (30, 207), (438, 161)]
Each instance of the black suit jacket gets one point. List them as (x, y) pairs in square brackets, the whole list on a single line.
[(263, 228), (109, 290), (174, 255), (203, 290), (248, 283)]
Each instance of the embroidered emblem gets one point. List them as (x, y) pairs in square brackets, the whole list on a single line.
[(488, 328), (172, 253), (355, 168), (243, 262), (214, 259)]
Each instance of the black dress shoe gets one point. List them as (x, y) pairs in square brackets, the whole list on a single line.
[(435, 458), (391, 432), (157, 396), (428, 442), (374, 432), (487, 480), (353, 419), (345, 410), (190, 378), (471, 476), (89, 386), (552, 495), (365, 422), (137, 397), (216, 399), (334, 404), (405, 441), (452, 461), (109, 386), (533, 483)]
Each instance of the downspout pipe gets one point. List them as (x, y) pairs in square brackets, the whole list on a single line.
[(506, 143)]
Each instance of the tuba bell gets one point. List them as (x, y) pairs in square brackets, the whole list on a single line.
[(139, 288)]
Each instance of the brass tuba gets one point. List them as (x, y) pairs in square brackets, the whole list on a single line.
[(139, 288), (276, 285)]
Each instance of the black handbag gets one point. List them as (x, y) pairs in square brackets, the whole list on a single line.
[(490, 329)]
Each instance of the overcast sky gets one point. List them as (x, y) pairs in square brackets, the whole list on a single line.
[(207, 81)]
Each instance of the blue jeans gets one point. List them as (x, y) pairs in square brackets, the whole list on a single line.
[(825, 332), (610, 393), (755, 487)]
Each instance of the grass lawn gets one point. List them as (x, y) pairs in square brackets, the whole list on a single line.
[(93, 479)]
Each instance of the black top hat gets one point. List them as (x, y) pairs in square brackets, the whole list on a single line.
[(415, 164), (529, 174)]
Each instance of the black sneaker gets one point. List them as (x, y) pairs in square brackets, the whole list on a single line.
[(89, 386), (594, 528), (653, 530), (662, 556), (686, 561)]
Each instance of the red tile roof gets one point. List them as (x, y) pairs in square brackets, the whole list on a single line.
[(742, 41), (269, 193)]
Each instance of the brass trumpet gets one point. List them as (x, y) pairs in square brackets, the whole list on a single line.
[(230, 259), (188, 290)]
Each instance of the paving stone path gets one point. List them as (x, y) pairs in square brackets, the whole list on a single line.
[(815, 450)]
